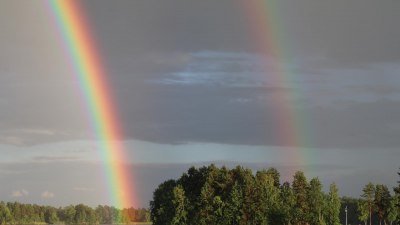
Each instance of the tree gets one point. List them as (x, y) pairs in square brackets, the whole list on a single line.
[(316, 202), (69, 214), (393, 211), (250, 207), (162, 208), (363, 210), (275, 175), (179, 202), (288, 202), (192, 183), (5, 214), (333, 206), (397, 192), (51, 215), (266, 196), (233, 209), (300, 188), (368, 195), (382, 201)]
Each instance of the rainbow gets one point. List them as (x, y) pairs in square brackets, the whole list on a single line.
[(85, 59), (270, 40)]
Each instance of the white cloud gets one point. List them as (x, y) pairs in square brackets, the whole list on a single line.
[(20, 193), (47, 194)]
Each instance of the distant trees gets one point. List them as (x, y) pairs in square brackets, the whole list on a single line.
[(18, 213), (212, 195), (5, 214)]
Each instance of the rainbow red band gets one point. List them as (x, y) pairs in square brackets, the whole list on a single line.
[(92, 76), (267, 28)]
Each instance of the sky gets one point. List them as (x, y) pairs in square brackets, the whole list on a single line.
[(193, 86)]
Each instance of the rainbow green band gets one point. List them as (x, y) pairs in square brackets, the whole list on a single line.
[(270, 38), (92, 77)]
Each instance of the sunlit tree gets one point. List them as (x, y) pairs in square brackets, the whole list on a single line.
[(369, 195), (333, 206)]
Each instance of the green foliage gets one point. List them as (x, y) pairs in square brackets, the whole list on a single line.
[(5, 214), (179, 202), (162, 208), (363, 210), (288, 201), (382, 202), (212, 195), (18, 213), (393, 211), (50, 215), (368, 196), (333, 206), (300, 189), (316, 202)]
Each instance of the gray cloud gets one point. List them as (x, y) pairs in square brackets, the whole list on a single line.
[(192, 72), (340, 52), (43, 178), (55, 158)]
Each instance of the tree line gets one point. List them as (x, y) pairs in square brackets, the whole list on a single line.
[(211, 195), (18, 213), (376, 205)]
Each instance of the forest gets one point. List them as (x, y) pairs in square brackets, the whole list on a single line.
[(212, 195), (238, 196), (18, 213)]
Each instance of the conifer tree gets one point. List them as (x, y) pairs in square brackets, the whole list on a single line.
[(382, 201), (368, 195), (333, 206), (316, 202), (300, 189), (363, 211), (288, 202)]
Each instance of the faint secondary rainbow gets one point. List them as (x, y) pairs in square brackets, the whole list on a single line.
[(92, 76), (266, 26)]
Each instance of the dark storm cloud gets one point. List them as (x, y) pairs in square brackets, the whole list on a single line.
[(350, 32), (239, 116), (348, 107), (191, 71), (147, 26)]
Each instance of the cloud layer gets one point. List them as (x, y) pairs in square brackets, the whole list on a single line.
[(189, 79)]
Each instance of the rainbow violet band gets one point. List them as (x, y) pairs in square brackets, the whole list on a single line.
[(267, 29), (81, 50)]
